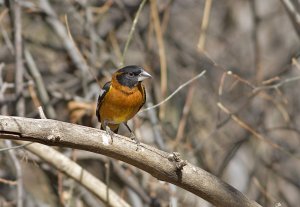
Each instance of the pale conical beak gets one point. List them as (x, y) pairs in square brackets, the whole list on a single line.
[(144, 75)]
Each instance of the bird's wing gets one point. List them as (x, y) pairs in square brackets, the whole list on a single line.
[(144, 95), (103, 92)]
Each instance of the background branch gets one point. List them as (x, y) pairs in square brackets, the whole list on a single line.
[(73, 170), (19, 174)]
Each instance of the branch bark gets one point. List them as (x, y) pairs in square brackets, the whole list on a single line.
[(147, 158)]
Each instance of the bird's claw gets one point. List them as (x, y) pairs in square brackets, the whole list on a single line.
[(110, 133), (133, 137)]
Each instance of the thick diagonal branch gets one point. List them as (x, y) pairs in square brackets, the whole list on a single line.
[(147, 158)]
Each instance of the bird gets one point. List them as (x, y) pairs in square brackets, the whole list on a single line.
[(121, 98)]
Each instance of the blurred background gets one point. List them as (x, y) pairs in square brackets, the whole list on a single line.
[(239, 121)]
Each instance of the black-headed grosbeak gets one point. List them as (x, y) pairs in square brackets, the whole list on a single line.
[(121, 98)]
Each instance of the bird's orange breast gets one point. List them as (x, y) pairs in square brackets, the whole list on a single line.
[(119, 106)]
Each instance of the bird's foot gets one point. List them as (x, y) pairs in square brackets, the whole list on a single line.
[(110, 133), (133, 137)]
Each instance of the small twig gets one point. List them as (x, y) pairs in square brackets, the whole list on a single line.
[(3, 86), (204, 25), (185, 112), (292, 8), (92, 36), (158, 138), (264, 191), (115, 45), (176, 91), (135, 200), (240, 79), (41, 113), (107, 180), (19, 69), (173, 197), (14, 147), (190, 94), (130, 181), (60, 187), (162, 53), (69, 44), (88, 199), (230, 155), (41, 89), (222, 81), (257, 135), (5, 35), (277, 85), (3, 14), (8, 182), (296, 63), (19, 174), (256, 46), (132, 31), (127, 16), (166, 16), (35, 99)]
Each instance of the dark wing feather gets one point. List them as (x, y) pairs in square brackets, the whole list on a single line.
[(101, 97), (144, 95)]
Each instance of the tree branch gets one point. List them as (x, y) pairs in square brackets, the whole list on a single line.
[(147, 158), (73, 170)]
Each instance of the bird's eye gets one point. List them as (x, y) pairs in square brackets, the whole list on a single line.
[(130, 74)]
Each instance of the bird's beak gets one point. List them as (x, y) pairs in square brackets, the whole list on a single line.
[(144, 75)]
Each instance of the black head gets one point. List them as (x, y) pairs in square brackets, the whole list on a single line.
[(131, 75)]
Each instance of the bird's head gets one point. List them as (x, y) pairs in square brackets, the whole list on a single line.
[(131, 75)]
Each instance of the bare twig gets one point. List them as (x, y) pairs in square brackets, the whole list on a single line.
[(161, 51), (204, 25), (69, 44), (107, 181), (158, 138), (296, 63), (153, 161), (41, 89), (190, 94), (115, 45), (277, 85), (257, 135), (19, 174), (41, 113), (14, 147), (17, 12), (4, 33), (185, 112), (176, 91), (292, 7), (19, 86), (256, 46), (92, 35), (130, 182), (3, 87), (8, 182), (132, 31)]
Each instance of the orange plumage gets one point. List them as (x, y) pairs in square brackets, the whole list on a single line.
[(122, 97)]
